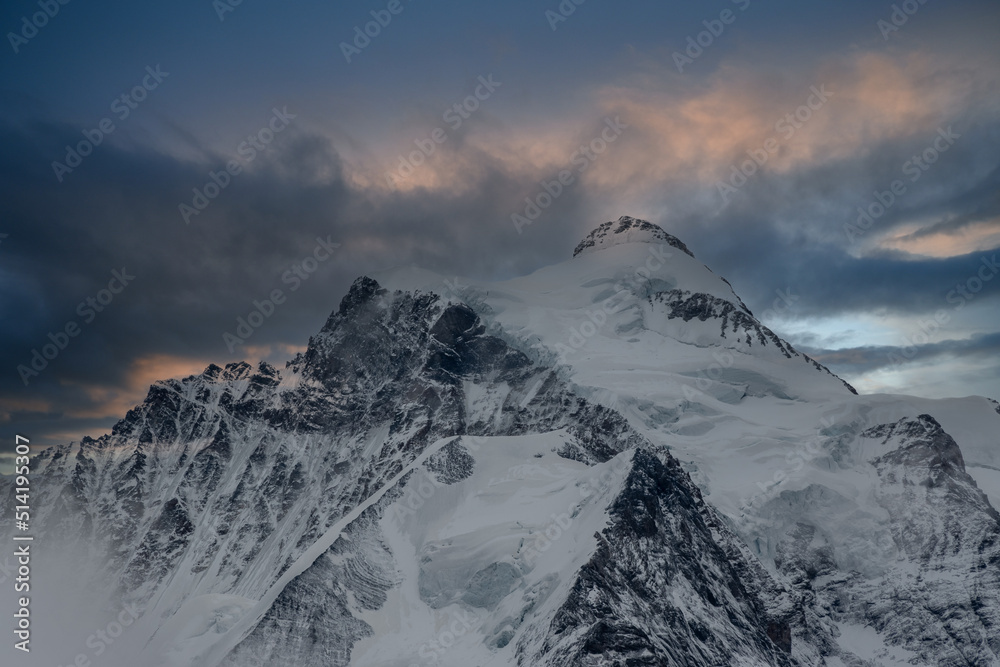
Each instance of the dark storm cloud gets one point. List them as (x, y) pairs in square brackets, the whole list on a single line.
[(790, 231), (861, 360), (826, 281), (980, 204), (118, 211)]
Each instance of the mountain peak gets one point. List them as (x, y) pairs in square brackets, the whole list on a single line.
[(627, 230)]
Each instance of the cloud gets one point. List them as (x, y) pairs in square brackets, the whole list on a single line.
[(947, 239), (784, 228), (859, 361), (119, 212), (112, 401), (19, 405)]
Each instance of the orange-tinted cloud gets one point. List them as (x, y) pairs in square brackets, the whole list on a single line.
[(947, 243), (873, 98), (115, 401), (275, 353), (681, 130), (12, 404)]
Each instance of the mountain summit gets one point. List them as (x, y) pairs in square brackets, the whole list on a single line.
[(627, 230)]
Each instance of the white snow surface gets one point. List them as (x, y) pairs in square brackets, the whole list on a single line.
[(735, 415), (194, 646), (772, 441), (529, 517)]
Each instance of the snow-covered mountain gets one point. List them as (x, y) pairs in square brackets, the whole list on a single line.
[(610, 461)]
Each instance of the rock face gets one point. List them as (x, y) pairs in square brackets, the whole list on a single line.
[(734, 319), (426, 485), (661, 537), (928, 577), (945, 531), (738, 320), (627, 230)]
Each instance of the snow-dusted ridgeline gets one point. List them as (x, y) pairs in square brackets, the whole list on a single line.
[(609, 461)]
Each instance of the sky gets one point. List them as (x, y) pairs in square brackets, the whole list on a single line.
[(164, 167)]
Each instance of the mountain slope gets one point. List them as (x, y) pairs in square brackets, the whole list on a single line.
[(774, 441), (607, 462), (237, 504)]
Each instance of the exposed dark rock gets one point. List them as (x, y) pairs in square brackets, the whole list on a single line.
[(624, 225)]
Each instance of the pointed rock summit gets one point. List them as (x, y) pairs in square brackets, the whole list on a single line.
[(627, 230)]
